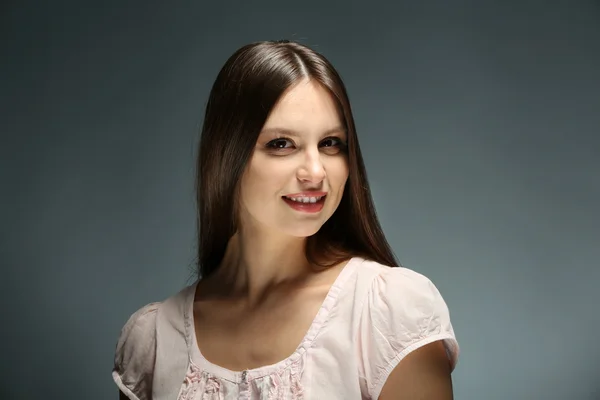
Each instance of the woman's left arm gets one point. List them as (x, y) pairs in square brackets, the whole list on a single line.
[(423, 374)]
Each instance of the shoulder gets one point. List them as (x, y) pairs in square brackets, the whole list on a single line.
[(402, 291), (401, 312), (135, 353), (151, 347)]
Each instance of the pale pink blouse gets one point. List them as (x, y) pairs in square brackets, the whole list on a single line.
[(372, 317)]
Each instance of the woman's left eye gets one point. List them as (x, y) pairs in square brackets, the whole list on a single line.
[(333, 145), (331, 142)]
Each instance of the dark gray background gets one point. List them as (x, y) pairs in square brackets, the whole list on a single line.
[(479, 123)]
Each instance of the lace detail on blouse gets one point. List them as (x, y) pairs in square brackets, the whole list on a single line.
[(200, 385), (284, 384)]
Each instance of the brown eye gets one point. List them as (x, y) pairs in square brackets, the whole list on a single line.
[(279, 144), (332, 145), (330, 142)]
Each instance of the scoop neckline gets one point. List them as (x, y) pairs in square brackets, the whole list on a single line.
[(197, 358)]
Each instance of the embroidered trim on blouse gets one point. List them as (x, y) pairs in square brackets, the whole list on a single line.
[(282, 385)]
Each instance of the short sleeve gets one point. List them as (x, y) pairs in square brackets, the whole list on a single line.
[(402, 312), (135, 354)]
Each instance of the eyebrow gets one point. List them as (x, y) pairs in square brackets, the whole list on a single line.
[(291, 132)]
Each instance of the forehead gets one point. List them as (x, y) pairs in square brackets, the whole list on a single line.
[(305, 107)]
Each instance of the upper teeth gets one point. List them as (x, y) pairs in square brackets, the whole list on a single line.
[(305, 199)]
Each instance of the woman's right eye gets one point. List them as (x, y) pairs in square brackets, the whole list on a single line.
[(280, 144)]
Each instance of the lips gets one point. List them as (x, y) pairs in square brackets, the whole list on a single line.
[(308, 202), (309, 193), (304, 199)]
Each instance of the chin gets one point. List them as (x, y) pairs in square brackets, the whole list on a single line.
[(303, 232)]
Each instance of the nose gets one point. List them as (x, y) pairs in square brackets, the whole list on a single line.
[(312, 169)]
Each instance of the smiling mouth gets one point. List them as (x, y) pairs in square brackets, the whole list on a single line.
[(305, 204), (305, 199)]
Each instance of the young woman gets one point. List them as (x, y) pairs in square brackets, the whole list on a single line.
[(299, 295)]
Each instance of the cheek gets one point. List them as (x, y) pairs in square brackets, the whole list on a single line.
[(263, 179), (338, 173)]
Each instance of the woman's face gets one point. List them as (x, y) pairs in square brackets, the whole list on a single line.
[(295, 178)]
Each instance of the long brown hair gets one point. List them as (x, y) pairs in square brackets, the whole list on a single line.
[(244, 93)]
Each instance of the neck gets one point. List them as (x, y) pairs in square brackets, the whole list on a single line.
[(255, 263)]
